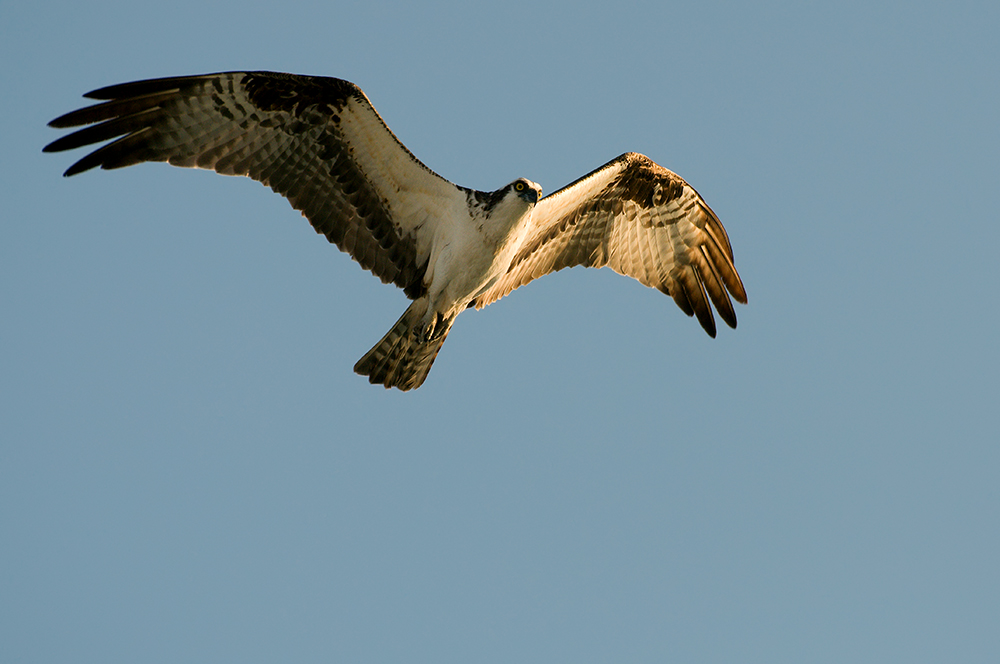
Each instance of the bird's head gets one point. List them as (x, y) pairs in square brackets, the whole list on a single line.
[(526, 190), (510, 204)]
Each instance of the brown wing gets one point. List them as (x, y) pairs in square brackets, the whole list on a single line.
[(317, 141), (642, 221)]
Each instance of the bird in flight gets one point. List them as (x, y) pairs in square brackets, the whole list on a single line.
[(320, 143)]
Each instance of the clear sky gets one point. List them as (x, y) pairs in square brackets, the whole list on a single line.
[(191, 472)]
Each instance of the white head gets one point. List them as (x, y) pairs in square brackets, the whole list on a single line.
[(508, 206), (526, 190), (515, 201)]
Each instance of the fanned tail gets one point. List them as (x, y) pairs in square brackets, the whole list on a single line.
[(405, 354)]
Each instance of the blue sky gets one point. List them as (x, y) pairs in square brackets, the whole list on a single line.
[(190, 471)]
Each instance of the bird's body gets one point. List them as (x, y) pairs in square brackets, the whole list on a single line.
[(466, 260), (320, 143)]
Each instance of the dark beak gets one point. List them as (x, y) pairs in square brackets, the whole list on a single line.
[(530, 195)]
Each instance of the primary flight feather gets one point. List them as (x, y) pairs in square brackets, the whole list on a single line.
[(318, 142)]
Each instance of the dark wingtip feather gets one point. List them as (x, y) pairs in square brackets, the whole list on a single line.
[(67, 142), (713, 283), (86, 115), (740, 294), (65, 121), (707, 320), (674, 290), (147, 87), (692, 283), (52, 147), (80, 166)]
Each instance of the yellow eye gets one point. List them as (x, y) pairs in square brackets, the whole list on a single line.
[(519, 186)]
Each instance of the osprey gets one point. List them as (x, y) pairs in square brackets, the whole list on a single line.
[(318, 142)]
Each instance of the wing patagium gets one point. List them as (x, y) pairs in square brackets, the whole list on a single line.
[(320, 143)]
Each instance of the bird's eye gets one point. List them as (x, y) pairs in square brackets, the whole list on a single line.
[(519, 186)]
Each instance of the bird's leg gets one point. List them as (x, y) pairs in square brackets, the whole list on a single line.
[(433, 325)]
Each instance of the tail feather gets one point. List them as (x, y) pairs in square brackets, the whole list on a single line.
[(405, 354)]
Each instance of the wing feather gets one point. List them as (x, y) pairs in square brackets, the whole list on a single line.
[(642, 221), (317, 141)]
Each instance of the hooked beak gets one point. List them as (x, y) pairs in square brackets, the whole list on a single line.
[(529, 195)]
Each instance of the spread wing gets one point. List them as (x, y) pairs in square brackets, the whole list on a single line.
[(642, 221), (316, 141)]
